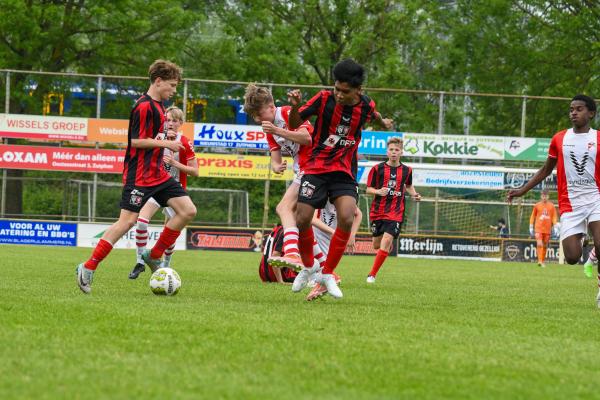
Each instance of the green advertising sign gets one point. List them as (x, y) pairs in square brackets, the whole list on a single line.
[(526, 149)]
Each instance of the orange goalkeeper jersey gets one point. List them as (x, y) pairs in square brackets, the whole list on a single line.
[(543, 217)]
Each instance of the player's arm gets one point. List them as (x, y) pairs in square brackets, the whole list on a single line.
[(320, 225), (300, 114), (154, 143), (300, 136), (535, 180), (354, 229), (410, 189), (191, 168), (532, 219), (278, 164), (386, 123), (377, 192)]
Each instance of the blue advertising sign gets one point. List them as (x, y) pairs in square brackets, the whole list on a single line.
[(230, 136), (38, 232), (375, 142)]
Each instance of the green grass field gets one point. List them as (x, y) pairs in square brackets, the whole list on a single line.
[(426, 329)]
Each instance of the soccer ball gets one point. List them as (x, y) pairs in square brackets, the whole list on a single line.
[(165, 282)]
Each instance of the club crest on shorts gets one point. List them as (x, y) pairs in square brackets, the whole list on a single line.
[(136, 198), (308, 189)]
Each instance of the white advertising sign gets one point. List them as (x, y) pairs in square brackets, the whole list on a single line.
[(454, 146), (89, 234), (41, 127)]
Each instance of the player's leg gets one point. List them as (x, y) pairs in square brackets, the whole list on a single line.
[(572, 248), (594, 227), (286, 210), (588, 267), (141, 235), (85, 270), (541, 251), (383, 251), (166, 263)]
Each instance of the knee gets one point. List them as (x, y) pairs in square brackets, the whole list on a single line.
[(345, 221), (189, 212), (571, 260)]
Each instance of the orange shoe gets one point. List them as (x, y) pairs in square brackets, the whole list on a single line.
[(292, 261), (318, 291)]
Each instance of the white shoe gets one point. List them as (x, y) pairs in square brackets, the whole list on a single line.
[(84, 278), (304, 276), (370, 279), (598, 299), (332, 288)]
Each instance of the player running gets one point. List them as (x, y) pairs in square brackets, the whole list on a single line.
[(144, 175), (274, 247), (260, 106), (543, 219), (388, 182), (179, 164), (574, 152), (331, 170)]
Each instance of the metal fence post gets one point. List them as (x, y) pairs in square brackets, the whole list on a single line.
[(4, 171), (436, 211), (185, 95), (98, 114)]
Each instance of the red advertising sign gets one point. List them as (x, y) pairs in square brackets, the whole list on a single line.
[(61, 159)]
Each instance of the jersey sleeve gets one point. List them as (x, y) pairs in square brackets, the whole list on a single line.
[(272, 143), (141, 121), (409, 177), (372, 179), (188, 149), (553, 149), (285, 113), (312, 106), (372, 111), (533, 215)]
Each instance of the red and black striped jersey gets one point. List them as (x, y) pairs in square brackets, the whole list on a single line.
[(144, 167), (337, 132), (390, 206), (274, 242)]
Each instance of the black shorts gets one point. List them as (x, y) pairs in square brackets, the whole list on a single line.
[(315, 190), (382, 226), (134, 197)]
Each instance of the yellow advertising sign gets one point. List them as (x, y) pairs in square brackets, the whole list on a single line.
[(240, 167)]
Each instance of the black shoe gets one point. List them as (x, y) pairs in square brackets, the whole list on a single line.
[(136, 271)]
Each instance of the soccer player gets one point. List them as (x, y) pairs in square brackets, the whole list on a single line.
[(274, 247), (388, 182), (574, 152), (179, 165), (542, 220), (588, 267), (331, 170), (260, 106), (145, 176)]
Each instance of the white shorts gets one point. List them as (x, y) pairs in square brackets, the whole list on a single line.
[(576, 221), (168, 211)]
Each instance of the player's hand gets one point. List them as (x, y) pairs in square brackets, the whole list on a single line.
[(387, 123), (280, 169), (168, 158), (512, 194), (416, 197), (556, 229), (382, 191), (531, 231), (171, 134), (173, 146), (269, 128), (351, 245), (294, 98)]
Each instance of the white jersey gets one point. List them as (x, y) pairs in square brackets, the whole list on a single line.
[(328, 216), (293, 149), (576, 168)]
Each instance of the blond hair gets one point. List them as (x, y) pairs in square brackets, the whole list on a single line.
[(166, 70), (397, 141), (255, 98), (176, 113)]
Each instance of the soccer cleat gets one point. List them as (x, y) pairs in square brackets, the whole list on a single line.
[(153, 263), (338, 279), (84, 278), (304, 276), (317, 292), (370, 279), (542, 265), (332, 288), (588, 268), (598, 299), (137, 270), (292, 261)]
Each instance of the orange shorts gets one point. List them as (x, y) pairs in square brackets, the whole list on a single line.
[(544, 237)]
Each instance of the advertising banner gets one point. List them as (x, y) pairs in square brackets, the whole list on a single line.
[(449, 247), (42, 127), (454, 146), (38, 233), (115, 130), (61, 159), (526, 149), (375, 142), (230, 136), (240, 167), (526, 251), (89, 234), (515, 180)]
